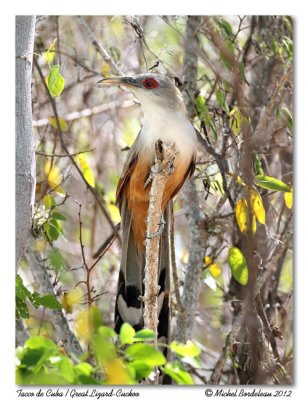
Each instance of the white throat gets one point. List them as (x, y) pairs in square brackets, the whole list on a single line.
[(171, 126)]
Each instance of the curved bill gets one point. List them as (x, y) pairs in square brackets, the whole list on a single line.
[(121, 80)]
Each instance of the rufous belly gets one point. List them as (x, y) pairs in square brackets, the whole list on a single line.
[(138, 196)]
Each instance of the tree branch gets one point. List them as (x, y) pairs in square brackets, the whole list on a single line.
[(25, 158), (194, 214), (160, 171)]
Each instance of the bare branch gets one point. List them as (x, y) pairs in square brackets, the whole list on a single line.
[(160, 171)]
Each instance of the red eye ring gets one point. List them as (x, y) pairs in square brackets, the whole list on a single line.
[(150, 83)]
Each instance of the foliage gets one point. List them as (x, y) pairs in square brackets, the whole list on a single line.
[(124, 359), (37, 300)]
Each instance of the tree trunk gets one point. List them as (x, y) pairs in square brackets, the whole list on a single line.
[(25, 157)]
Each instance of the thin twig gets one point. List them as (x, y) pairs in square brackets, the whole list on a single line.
[(40, 153), (99, 47)]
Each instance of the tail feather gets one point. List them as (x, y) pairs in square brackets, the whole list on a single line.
[(129, 307)]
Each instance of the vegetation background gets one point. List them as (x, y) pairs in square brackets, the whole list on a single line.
[(233, 220)]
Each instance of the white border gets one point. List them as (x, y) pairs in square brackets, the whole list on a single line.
[(99, 7)]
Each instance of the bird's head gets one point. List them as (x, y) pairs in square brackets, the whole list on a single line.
[(152, 90)]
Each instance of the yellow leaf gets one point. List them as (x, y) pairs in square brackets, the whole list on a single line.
[(114, 213), (254, 224), (49, 55), (214, 268), (241, 213), (62, 123), (184, 257), (117, 27), (83, 325), (40, 245), (288, 199), (106, 70), (242, 216), (116, 373), (257, 206), (240, 180), (54, 177), (86, 170), (71, 298), (235, 120), (87, 322)]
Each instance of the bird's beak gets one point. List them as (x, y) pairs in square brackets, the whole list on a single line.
[(122, 80)]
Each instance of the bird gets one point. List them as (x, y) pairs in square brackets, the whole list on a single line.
[(165, 119)]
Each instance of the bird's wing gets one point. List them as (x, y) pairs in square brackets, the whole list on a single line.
[(189, 172), (128, 168)]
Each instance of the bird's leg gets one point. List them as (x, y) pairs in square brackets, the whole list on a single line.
[(161, 225)]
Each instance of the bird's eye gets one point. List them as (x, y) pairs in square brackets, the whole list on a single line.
[(150, 83)]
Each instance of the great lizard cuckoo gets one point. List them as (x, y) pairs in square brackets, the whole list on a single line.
[(164, 118)]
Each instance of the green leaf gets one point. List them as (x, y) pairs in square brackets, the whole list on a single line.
[(238, 265), (200, 104), (104, 350), (221, 101), (220, 98), (106, 332), (257, 164), (287, 44), (21, 309), (141, 369), (67, 370), (145, 353), (21, 291), (178, 374), (127, 333), (84, 369), (270, 183), (49, 301), (40, 342), (31, 357), (49, 201), (225, 27), (234, 362), (56, 259), (51, 232), (55, 81), (58, 216), (56, 224), (144, 334), (186, 350)]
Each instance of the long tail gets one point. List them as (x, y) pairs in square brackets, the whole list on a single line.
[(129, 307)]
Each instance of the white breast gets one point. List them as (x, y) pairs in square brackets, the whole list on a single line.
[(170, 127)]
